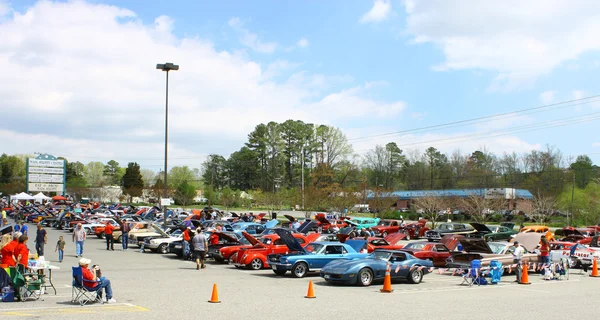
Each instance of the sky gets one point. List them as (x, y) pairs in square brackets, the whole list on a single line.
[(79, 77)]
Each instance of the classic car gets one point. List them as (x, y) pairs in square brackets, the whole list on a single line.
[(390, 242), (479, 249), (176, 247), (252, 227), (538, 229), (136, 227), (327, 237), (385, 227), (226, 239), (360, 223), (255, 258), (137, 238), (493, 233), (313, 256), (212, 224), (229, 253), (363, 272), (414, 230), (99, 230), (447, 228), (580, 235), (435, 252), (580, 255), (160, 243)]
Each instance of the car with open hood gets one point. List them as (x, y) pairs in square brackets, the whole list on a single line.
[(538, 229), (229, 253), (161, 243), (360, 223), (437, 253), (448, 228), (137, 238), (479, 249), (414, 230), (225, 239), (492, 232), (364, 271), (385, 227), (392, 241), (580, 235), (252, 227), (255, 258), (580, 255), (314, 256)]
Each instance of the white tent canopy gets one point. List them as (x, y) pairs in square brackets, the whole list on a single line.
[(41, 196), (21, 196)]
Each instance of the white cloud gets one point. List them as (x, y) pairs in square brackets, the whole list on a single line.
[(519, 40), (380, 11), (4, 8), (302, 43), (79, 80), (251, 40), (577, 94), (547, 97), (596, 144)]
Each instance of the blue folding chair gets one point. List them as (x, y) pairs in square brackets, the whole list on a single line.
[(83, 294)]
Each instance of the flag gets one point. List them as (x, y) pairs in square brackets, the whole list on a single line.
[(397, 268), (431, 269)]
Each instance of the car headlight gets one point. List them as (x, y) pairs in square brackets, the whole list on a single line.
[(243, 257), (284, 260)]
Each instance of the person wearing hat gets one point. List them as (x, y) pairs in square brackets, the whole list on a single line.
[(41, 239), (91, 279), (200, 246), (518, 259)]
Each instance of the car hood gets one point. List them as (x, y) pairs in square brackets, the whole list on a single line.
[(475, 245), (321, 218), (480, 227), (292, 219), (306, 226), (357, 245), (271, 224), (253, 241), (394, 238), (6, 229), (347, 264), (451, 241), (226, 236), (312, 237), (289, 240), (529, 240)]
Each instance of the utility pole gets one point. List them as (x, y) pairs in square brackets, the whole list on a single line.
[(572, 196), (302, 162)]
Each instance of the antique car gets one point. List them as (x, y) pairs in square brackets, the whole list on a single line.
[(364, 271), (255, 258), (580, 235), (327, 237), (538, 229), (579, 254), (360, 223), (160, 243), (437, 253), (225, 239), (99, 230), (314, 256), (479, 249), (252, 227), (493, 233), (229, 253), (385, 227), (137, 238), (390, 242), (414, 230), (136, 227), (447, 228)]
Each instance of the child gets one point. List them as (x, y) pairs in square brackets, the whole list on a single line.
[(60, 247)]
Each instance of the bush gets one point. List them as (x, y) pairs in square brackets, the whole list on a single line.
[(496, 217)]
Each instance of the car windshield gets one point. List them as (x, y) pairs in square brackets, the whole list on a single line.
[(314, 248), (497, 248), (381, 255), (415, 246), (379, 242), (237, 227), (384, 223)]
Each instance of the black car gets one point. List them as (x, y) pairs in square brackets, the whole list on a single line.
[(447, 228)]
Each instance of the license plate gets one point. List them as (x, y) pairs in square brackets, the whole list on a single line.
[(177, 247), (274, 267)]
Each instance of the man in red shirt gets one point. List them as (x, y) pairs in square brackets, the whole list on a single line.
[(91, 280), (21, 251), (108, 234), (8, 251), (187, 236)]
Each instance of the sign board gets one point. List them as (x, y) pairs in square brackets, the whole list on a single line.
[(165, 201), (496, 193), (46, 173)]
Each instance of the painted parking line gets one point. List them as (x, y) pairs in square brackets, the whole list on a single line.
[(94, 309)]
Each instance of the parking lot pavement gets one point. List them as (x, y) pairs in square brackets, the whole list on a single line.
[(154, 286)]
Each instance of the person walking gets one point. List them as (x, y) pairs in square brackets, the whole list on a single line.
[(79, 237), (186, 242), (518, 260), (108, 234), (41, 239), (200, 245), (125, 228), (60, 247)]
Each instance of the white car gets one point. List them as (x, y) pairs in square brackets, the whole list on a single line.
[(89, 227), (161, 244)]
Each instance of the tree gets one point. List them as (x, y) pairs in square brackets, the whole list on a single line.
[(584, 171), (75, 174), (149, 177), (435, 161), (543, 207), (243, 170), (227, 197), (257, 143), (180, 174), (480, 206), (185, 193), (113, 172), (94, 174), (332, 145), (12, 174), (429, 205), (132, 181)]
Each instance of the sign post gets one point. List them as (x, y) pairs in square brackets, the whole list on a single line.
[(46, 173)]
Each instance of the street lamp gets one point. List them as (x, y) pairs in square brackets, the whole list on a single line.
[(166, 67)]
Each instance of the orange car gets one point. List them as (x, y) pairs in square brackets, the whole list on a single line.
[(539, 229)]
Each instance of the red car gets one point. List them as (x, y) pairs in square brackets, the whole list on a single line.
[(255, 258), (230, 252), (580, 235), (385, 227), (414, 230), (391, 242), (436, 252)]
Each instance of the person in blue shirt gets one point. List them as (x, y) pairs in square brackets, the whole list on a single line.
[(23, 229)]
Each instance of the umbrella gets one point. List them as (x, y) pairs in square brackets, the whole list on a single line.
[(58, 198), (41, 196), (22, 196)]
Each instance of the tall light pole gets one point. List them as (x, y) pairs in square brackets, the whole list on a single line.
[(166, 67)]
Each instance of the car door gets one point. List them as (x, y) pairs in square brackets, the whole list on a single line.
[(398, 262), (441, 253), (331, 253), (251, 229)]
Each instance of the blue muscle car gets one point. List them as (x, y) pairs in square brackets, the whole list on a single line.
[(313, 256), (363, 271)]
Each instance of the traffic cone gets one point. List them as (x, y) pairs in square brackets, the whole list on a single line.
[(311, 291), (595, 269), (215, 295), (387, 281), (525, 274)]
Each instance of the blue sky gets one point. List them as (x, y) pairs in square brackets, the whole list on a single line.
[(83, 72)]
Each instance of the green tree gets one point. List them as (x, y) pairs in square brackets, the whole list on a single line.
[(227, 197), (584, 171), (243, 170), (94, 174), (185, 193), (113, 172), (257, 142), (132, 181), (180, 174), (12, 174)]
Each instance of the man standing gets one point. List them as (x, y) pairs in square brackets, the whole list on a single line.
[(110, 240), (518, 259), (186, 242), (79, 237), (23, 228), (125, 228), (41, 239), (200, 245)]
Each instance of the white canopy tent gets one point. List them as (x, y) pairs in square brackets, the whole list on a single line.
[(21, 196), (40, 197)]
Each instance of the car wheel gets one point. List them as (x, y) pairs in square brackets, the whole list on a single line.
[(384, 234), (490, 239), (233, 259), (280, 272), (407, 237), (255, 264), (415, 276), (100, 235), (162, 248), (300, 269), (88, 231), (365, 277)]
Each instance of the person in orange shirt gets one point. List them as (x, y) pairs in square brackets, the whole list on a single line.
[(108, 234), (8, 251), (186, 241), (22, 252), (214, 238)]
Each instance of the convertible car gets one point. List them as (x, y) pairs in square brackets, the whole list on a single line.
[(312, 257), (363, 272)]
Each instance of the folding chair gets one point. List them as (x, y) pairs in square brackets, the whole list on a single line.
[(473, 274), (84, 294), (26, 285)]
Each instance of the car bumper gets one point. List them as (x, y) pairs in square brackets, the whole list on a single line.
[(338, 278), (151, 245), (281, 266)]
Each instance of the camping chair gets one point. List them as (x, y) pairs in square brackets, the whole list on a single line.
[(26, 285), (474, 274), (561, 269), (81, 293)]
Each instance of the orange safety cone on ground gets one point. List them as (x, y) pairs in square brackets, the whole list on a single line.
[(595, 269), (525, 274), (387, 281), (214, 298), (311, 291)]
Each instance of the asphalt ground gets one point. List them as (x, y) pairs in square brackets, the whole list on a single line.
[(155, 286)]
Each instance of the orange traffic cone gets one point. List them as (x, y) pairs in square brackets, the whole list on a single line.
[(311, 291), (215, 295), (387, 281), (525, 274), (595, 269)]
